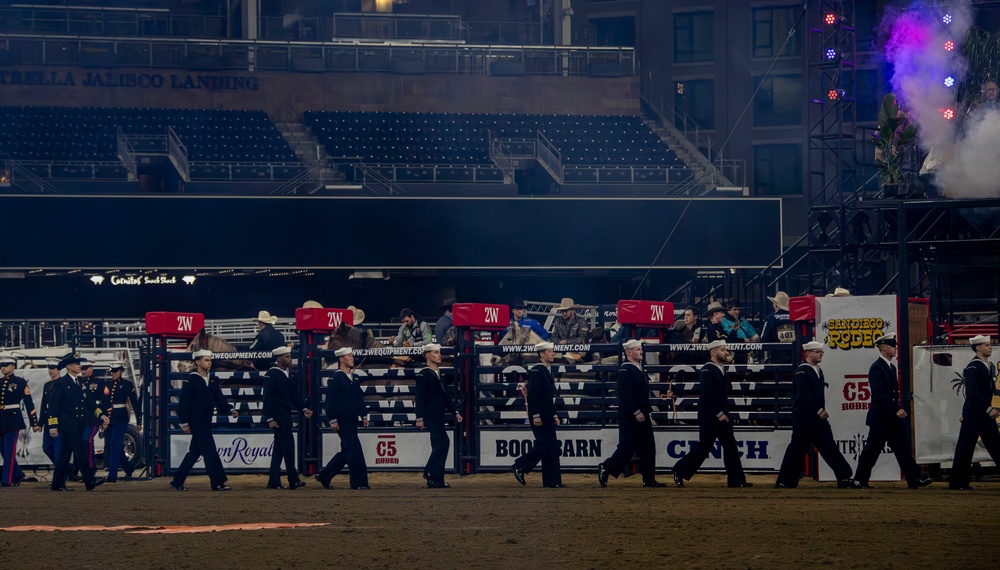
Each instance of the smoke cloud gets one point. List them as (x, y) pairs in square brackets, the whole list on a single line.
[(915, 46)]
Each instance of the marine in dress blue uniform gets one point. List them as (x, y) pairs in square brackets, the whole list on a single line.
[(714, 422), (979, 417), (121, 393), (887, 420), (345, 408), (201, 398), (70, 407), (13, 391), (635, 425), (281, 398), (433, 406), (542, 411)]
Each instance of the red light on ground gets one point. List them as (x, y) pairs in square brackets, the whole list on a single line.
[(949, 45), (830, 19), (948, 114)]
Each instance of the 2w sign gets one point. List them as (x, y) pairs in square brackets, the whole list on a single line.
[(181, 325), (480, 316), (646, 313), (324, 320)]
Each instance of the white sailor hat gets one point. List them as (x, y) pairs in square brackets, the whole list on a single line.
[(432, 347), (814, 345), (543, 346), (281, 350), (84, 363), (632, 343), (715, 344), (979, 339), (889, 339), (53, 362), (7, 361), (343, 351), (116, 365), (201, 353)]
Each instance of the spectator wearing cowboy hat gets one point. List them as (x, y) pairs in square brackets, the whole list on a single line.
[(715, 329), (518, 316), (359, 317), (714, 422), (570, 328), (443, 328), (413, 332), (887, 420), (778, 327), (268, 338), (978, 414)]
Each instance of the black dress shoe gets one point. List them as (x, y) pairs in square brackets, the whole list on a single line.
[(560, 486), (296, 485), (654, 484), (846, 484), (176, 486), (860, 485), (678, 480), (98, 481), (959, 488), (325, 484), (920, 483), (277, 487), (518, 473), (442, 485), (28, 479), (602, 475), (782, 486), (61, 489), (222, 488), (361, 488), (743, 485)]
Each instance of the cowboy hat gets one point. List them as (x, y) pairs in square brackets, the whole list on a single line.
[(312, 305), (447, 303), (265, 317), (780, 299), (713, 308), (359, 315), (566, 304), (841, 292)]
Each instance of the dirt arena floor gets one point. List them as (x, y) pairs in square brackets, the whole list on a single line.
[(489, 521)]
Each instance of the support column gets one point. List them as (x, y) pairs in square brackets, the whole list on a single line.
[(249, 15)]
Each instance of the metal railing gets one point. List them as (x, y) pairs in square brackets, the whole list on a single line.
[(397, 26), (428, 173), (37, 172), (125, 151), (245, 171), (102, 21), (229, 55), (549, 157), (178, 154)]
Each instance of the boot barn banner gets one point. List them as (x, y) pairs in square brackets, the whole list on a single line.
[(849, 327), (760, 450), (938, 397)]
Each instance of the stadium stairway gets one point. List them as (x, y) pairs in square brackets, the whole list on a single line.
[(704, 175), (309, 150)]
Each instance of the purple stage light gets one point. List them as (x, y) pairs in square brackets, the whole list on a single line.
[(831, 53), (949, 81), (946, 19)]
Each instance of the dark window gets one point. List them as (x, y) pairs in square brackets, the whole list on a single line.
[(614, 31), (693, 37), (777, 169), (779, 101), (770, 28), (865, 22), (696, 99)]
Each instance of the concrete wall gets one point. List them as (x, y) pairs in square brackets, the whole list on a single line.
[(286, 95)]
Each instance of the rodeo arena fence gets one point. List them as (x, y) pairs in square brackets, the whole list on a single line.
[(487, 379)]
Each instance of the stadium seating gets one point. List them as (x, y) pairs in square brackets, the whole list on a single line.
[(440, 138), (89, 133)]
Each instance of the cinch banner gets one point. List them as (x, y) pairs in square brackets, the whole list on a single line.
[(760, 450), (849, 327), (938, 397), (405, 450)]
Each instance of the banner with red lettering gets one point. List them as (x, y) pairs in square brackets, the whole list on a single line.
[(849, 327)]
